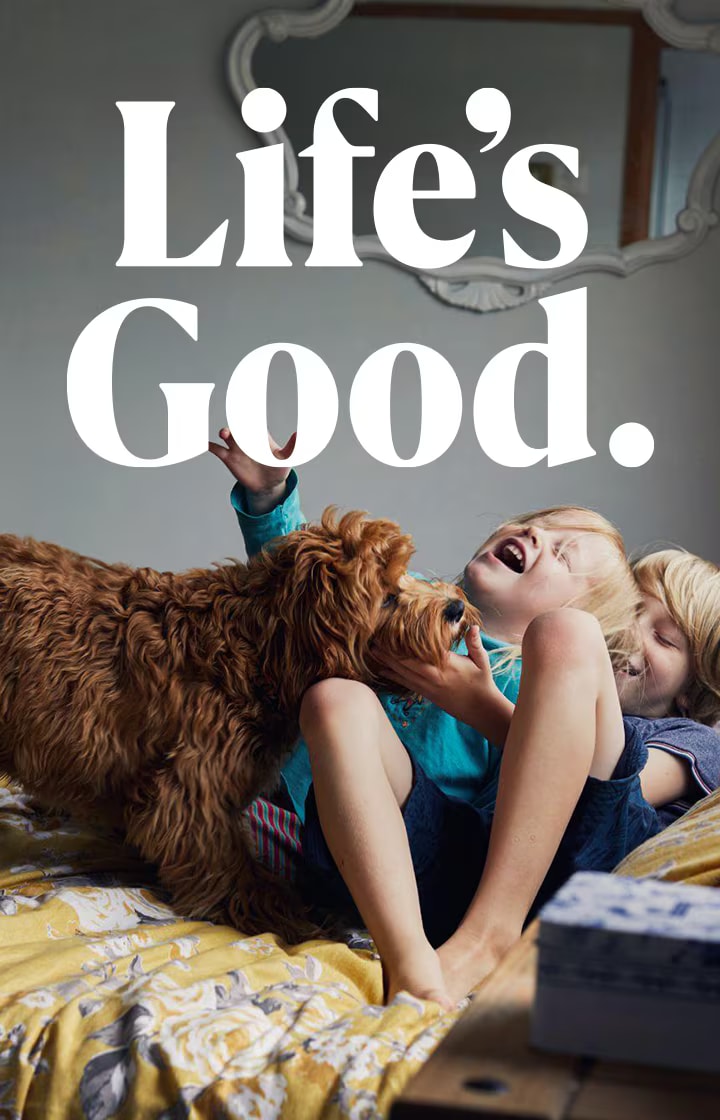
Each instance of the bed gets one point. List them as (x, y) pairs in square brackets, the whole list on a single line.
[(113, 1006)]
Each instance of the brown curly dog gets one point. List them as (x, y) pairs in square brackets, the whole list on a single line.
[(170, 701)]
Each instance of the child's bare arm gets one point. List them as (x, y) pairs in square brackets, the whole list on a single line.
[(665, 778)]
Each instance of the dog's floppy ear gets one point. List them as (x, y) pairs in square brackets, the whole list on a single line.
[(366, 540), (330, 581), (322, 620)]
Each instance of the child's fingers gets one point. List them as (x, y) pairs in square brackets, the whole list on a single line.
[(475, 648), (403, 672), (220, 452), (227, 435), (417, 675)]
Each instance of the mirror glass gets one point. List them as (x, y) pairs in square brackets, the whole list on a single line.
[(640, 112)]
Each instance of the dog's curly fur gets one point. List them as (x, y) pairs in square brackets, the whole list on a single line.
[(170, 701)]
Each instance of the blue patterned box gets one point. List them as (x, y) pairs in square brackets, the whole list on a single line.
[(629, 970)]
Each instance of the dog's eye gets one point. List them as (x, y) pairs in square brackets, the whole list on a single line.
[(391, 601)]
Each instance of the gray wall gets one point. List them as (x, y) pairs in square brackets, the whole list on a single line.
[(653, 345)]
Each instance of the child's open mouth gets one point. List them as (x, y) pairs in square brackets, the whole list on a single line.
[(511, 553)]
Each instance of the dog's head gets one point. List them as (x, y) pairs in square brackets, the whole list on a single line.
[(340, 592)]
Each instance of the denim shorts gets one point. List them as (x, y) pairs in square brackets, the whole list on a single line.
[(449, 841)]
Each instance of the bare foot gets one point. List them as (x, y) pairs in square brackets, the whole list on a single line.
[(421, 976), (468, 958)]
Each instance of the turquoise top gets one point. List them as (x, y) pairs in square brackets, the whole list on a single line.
[(456, 757)]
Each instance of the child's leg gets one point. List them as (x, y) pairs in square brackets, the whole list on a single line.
[(362, 775), (567, 725)]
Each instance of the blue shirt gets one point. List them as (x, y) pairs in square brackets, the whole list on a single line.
[(457, 758)]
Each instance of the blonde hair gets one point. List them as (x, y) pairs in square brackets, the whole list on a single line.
[(689, 589), (613, 598)]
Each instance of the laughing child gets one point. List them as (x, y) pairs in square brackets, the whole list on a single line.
[(392, 783), (397, 824), (575, 555), (582, 782)]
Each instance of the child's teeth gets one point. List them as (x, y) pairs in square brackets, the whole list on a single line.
[(511, 552)]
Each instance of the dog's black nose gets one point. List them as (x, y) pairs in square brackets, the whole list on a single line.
[(454, 610)]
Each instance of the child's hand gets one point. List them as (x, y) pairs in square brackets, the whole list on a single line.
[(265, 484), (462, 686)]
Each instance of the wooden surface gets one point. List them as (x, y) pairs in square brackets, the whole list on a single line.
[(484, 1067)]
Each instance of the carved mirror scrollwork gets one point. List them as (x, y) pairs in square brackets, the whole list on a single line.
[(628, 82)]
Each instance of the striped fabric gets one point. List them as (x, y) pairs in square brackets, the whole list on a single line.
[(276, 834)]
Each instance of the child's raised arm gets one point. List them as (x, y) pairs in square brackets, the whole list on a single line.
[(264, 486)]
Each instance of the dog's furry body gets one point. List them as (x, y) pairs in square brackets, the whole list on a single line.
[(171, 700)]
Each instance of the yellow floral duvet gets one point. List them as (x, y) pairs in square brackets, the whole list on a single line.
[(112, 1006)]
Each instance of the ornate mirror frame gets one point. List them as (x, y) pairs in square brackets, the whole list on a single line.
[(487, 283)]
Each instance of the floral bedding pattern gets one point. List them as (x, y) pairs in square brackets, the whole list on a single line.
[(688, 852), (112, 1006)]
